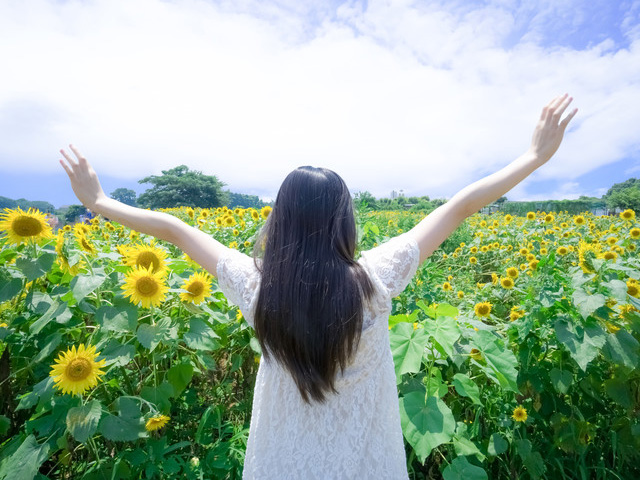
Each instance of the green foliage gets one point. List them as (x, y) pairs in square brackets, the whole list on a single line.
[(125, 195), (244, 201), (180, 186), (624, 195), (24, 204), (73, 212)]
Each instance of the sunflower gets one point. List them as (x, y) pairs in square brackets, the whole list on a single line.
[(516, 313), (86, 245), (76, 371), (507, 283), (228, 221), (473, 249), (610, 255), (524, 251), (156, 422), (634, 233), (586, 253), (562, 251), (460, 294), (549, 218), (531, 216), (446, 286), (24, 227), (146, 256), (632, 287), (579, 220), (255, 215), (197, 287), (473, 260), (628, 214), (512, 272), (519, 414), (145, 287), (63, 259), (233, 245), (482, 309), (494, 279), (265, 211)]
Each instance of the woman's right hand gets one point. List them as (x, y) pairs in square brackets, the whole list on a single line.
[(549, 131), (84, 179)]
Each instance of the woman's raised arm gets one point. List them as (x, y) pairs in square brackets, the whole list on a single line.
[(547, 136), (202, 248)]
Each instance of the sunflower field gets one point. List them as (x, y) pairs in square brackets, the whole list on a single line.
[(516, 348)]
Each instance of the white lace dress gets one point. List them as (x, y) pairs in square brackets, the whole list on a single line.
[(355, 434)]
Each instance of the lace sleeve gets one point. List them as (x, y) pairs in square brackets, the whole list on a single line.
[(393, 263), (239, 279)]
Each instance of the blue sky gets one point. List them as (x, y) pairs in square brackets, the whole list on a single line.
[(423, 96)]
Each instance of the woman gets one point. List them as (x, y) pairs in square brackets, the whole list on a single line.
[(325, 401)]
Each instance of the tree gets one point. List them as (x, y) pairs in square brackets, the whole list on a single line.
[(362, 199), (624, 195), (181, 187), (244, 201), (73, 212), (124, 195)]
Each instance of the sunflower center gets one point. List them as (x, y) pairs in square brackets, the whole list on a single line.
[(483, 310), (26, 226), (196, 288), (147, 286), (78, 369), (148, 259)]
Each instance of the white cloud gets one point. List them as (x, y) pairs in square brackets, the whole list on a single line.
[(420, 96)]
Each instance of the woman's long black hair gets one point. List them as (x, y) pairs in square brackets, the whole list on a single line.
[(309, 311)]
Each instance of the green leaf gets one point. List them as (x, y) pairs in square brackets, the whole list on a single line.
[(587, 304), (126, 427), (83, 285), (407, 346), (425, 424), (618, 290), (179, 376), (395, 319), (82, 421), (33, 269), (209, 422), (121, 318), (467, 387), (117, 354), (159, 396), (622, 348), (150, 336), (5, 423), (500, 360), (41, 390), (561, 379), (201, 336), (51, 343), (464, 446), (25, 462), (9, 288), (461, 469), (583, 342), (618, 390), (445, 331), (497, 445), (58, 311), (446, 310)]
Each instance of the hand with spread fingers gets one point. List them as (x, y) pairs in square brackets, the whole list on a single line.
[(84, 179), (549, 131)]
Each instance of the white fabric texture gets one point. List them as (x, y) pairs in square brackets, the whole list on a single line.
[(356, 433)]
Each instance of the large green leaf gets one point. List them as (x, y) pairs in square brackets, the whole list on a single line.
[(622, 348), (201, 336), (118, 354), (159, 395), (33, 269), (407, 346), (151, 335), (83, 285), (26, 461), (425, 424), (496, 445), (126, 427), (500, 360), (445, 332), (466, 387), (179, 376), (58, 311), (618, 390), (9, 287), (82, 421), (582, 341), (121, 318), (618, 290), (461, 469), (587, 304), (561, 379)]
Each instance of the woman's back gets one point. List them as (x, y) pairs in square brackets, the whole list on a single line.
[(355, 433)]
